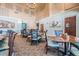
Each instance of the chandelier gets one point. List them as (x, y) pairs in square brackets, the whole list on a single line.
[(33, 8), (31, 5)]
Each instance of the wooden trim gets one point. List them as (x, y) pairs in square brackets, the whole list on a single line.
[(71, 8)]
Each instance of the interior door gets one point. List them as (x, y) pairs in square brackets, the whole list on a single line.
[(70, 25)]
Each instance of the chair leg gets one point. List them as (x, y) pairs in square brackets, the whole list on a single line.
[(31, 42), (46, 49), (70, 48), (37, 42), (58, 51), (10, 51), (26, 39)]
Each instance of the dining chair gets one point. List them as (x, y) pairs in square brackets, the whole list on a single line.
[(10, 34), (24, 33), (11, 42), (1, 31), (74, 49), (4, 48), (59, 33), (13, 39), (50, 43), (38, 34), (28, 33), (34, 36)]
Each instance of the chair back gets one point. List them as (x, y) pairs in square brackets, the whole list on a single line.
[(34, 34), (14, 35), (46, 37), (58, 32), (9, 33), (0, 31), (13, 38), (11, 41)]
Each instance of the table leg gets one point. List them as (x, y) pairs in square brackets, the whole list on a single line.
[(65, 48)]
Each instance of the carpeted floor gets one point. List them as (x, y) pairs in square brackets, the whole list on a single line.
[(24, 48)]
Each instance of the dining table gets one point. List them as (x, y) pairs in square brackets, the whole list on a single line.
[(64, 39)]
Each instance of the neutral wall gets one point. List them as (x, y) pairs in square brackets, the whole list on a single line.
[(10, 15), (60, 17), (48, 20), (18, 23)]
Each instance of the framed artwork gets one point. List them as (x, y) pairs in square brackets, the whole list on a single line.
[(55, 24), (6, 24)]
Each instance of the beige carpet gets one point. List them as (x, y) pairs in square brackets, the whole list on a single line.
[(24, 48)]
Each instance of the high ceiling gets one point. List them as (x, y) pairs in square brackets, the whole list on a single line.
[(26, 7), (39, 10)]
